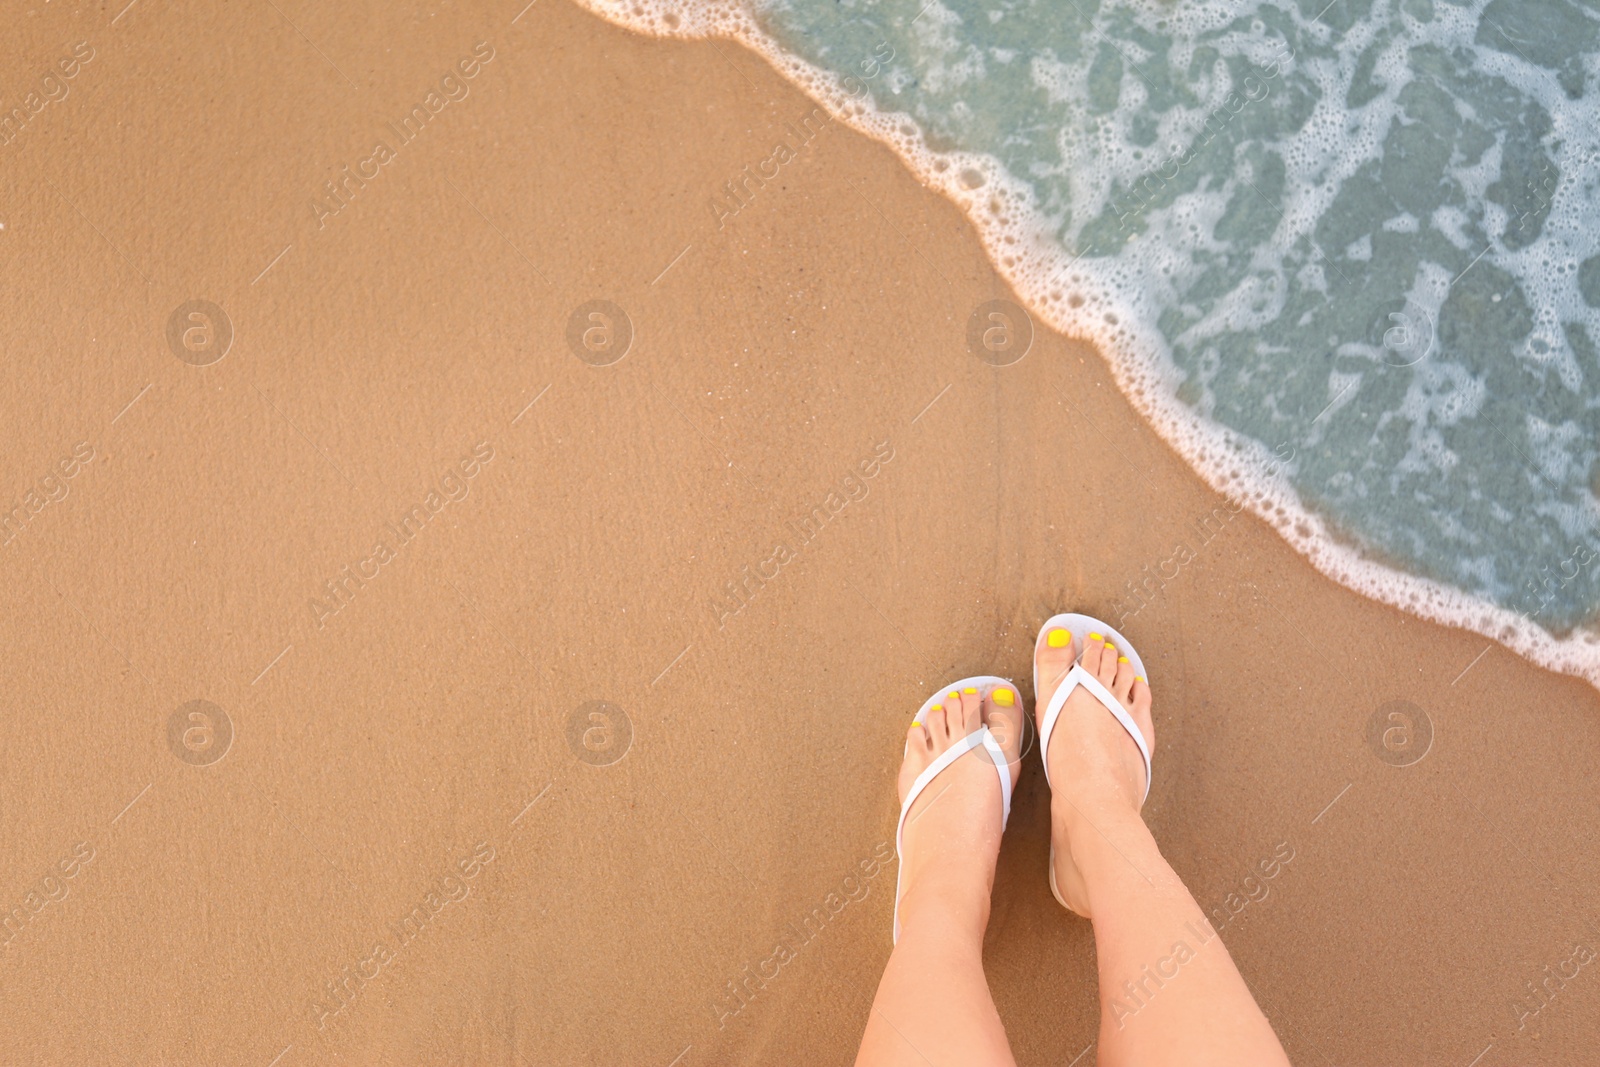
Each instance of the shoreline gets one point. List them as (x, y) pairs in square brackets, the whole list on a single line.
[(1238, 467), (553, 664)]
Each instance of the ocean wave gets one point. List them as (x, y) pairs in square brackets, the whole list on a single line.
[(1369, 233)]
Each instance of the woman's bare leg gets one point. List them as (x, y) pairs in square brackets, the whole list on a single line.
[(1169, 992), (933, 1005)]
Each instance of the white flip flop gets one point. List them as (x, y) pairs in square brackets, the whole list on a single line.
[(1080, 626), (985, 684)]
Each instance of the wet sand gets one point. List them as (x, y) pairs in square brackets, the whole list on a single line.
[(425, 841)]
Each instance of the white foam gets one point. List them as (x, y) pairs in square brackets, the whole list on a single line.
[(1093, 300)]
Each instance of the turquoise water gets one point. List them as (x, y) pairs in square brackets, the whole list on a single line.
[(1364, 235)]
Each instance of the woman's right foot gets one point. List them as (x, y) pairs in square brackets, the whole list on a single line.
[(1096, 770), (952, 833)]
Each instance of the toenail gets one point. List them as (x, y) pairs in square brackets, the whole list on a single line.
[(1110, 647), (1138, 677), (1096, 637), (1122, 659), (969, 691), (1059, 638), (1002, 697), (954, 695), (916, 724)]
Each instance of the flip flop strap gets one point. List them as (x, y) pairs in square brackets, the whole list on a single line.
[(980, 736), (1076, 677)]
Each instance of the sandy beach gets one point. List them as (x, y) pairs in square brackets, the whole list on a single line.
[(559, 527)]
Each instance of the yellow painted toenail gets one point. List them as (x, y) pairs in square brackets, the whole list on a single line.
[(969, 691), (954, 695), (1059, 638), (1122, 659), (1138, 677), (1096, 637), (916, 724), (1002, 697)]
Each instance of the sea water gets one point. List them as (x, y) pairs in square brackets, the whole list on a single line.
[(1344, 256)]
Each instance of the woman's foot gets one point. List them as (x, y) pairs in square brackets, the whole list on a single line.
[(1096, 771), (952, 834)]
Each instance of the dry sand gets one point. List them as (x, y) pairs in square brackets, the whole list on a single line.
[(168, 906)]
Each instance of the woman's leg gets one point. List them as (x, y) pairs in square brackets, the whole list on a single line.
[(933, 1005), (1169, 992)]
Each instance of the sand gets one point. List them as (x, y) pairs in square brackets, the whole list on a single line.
[(506, 774)]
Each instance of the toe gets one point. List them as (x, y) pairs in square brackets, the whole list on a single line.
[(1140, 696), (971, 710), (937, 723), (1106, 668), (1002, 713), (954, 715), (1093, 645), (1054, 654), (919, 753), (1122, 684), (917, 737)]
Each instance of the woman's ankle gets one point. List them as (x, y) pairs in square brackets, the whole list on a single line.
[(1099, 835), (959, 911)]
